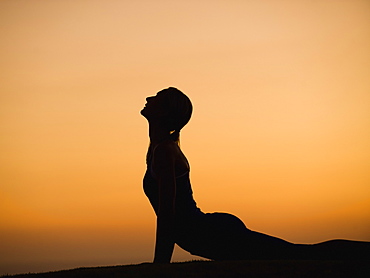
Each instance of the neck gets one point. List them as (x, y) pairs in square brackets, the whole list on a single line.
[(157, 133)]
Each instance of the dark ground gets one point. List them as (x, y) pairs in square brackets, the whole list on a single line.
[(250, 269)]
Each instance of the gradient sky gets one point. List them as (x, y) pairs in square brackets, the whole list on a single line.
[(279, 135)]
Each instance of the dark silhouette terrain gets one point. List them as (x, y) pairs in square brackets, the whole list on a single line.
[(250, 269)]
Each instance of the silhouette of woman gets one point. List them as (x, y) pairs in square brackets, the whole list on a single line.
[(216, 236)]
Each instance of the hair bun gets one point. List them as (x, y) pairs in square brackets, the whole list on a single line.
[(175, 135)]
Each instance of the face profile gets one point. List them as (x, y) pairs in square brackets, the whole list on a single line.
[(154, 107)]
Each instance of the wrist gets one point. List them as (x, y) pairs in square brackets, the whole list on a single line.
[(161, 261)]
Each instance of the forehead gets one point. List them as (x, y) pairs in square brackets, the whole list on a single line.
[(161, 95)]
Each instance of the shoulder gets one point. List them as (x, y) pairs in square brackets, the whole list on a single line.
[(164, 153)]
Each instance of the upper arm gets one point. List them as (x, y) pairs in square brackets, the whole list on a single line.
[(164, 168)]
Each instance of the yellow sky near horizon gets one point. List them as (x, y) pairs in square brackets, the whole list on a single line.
[(279, 134)]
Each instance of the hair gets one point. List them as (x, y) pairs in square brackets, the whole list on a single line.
[(180, 110)]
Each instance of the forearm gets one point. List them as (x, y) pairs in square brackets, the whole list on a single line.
[(164, 240)]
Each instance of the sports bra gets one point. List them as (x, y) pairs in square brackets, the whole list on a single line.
[(179, 176)]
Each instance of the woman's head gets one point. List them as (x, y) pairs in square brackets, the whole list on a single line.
[(171, 107)]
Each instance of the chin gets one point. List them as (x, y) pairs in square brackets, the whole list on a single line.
[(142, 112)]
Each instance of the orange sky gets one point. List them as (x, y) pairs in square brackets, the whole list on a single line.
[(279, 136)]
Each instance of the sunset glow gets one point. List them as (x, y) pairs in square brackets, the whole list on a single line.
[(279, 134)]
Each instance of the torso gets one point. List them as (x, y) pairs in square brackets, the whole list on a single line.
[(185, 206)]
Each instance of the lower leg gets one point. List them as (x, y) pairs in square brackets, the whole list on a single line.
[(334, 250)]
